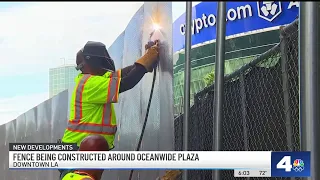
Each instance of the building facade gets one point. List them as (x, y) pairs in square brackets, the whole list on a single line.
[(252, 28), (61, 78)]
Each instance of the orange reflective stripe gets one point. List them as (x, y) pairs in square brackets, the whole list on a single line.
[(78, 98), (106, 116), (91, 124), (111, 97), (89, 128), (107, 106), (117, 86)]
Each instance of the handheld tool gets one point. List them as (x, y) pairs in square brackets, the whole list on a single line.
[(147, 46)]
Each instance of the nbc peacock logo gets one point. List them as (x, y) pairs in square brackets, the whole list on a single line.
[(298, 165)]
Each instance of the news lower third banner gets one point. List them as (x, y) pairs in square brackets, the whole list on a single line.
[(245, 163)]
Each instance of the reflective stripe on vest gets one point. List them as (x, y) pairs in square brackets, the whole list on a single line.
[(113, 86), (105, 127)]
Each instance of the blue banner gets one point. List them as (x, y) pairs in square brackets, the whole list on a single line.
[(241, 17), (290, 164)]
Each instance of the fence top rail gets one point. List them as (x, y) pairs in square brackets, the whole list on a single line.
[(290, 28)]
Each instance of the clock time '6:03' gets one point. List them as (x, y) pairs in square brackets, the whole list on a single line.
[(243, 173)]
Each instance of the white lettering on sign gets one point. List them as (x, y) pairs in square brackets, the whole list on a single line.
[(205, 21), (182, 29), (211, 19), (243, 11), (233, 14), (293, 3)]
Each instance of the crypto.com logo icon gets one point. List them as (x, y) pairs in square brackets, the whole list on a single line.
[(269, 10)]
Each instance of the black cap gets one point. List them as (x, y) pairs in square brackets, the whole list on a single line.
[(95, 49), (96, 54)]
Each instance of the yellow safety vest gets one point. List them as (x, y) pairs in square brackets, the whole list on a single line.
[(91, 108), (76, 176)]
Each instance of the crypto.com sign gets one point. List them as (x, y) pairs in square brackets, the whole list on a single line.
[(241, 17)]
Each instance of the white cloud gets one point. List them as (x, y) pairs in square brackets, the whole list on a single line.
[(11, 108)]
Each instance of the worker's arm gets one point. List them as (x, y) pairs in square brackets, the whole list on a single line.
[(130, 76)]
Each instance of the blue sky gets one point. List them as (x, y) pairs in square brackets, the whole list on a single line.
[(5, 5), (24, 84), (35, 36)]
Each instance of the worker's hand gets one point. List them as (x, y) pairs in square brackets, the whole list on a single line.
[(171, 175), (150, 57)]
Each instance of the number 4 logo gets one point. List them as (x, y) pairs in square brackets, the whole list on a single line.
[(285, 163)]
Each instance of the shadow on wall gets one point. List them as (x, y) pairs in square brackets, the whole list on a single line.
[(47, 121)]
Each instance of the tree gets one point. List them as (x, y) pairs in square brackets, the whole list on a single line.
[(209, 78)]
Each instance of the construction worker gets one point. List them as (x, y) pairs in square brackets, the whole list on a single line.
[(90, 143), (97, 87)]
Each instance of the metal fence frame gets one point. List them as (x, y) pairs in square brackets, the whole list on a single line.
[(309, 81), (219, 74), (285, 32)]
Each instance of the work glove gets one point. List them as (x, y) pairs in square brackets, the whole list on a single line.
[(149, 58), (171, 175)]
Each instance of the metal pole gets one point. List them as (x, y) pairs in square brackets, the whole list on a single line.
[(285, 87), (187, 77), (244, 113), (219, 80), (309, 82)]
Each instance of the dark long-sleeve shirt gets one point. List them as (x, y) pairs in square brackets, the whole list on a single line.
[(130, 76)]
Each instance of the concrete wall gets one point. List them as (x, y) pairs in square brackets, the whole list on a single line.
[(47, 121)]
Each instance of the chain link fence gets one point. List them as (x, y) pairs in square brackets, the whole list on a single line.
[(261, 107)]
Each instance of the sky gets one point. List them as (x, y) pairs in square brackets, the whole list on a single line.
[(35, 36)]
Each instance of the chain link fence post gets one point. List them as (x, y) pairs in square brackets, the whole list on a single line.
[(187, 80), (309, 82), (219, 80), (285, 88)]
